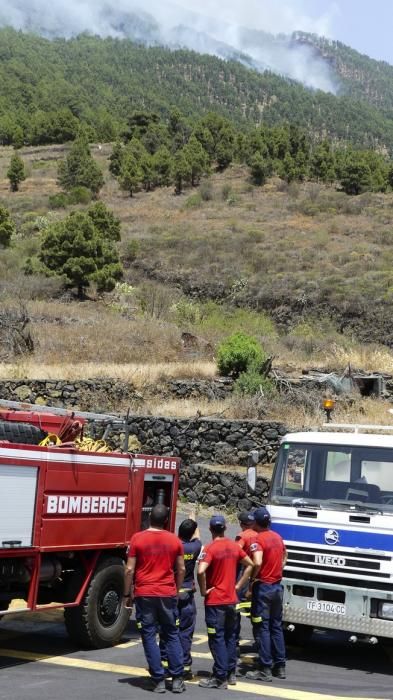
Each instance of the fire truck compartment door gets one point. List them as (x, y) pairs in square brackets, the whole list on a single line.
[(18, 486)]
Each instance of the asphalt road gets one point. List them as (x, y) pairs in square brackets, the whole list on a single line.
[(38, 662)]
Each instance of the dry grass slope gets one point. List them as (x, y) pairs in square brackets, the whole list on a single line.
[(247, 248)]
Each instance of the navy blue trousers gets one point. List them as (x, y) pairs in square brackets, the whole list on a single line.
[(266, 617), (243, 609), (221, 623), (159, 615), (187, 619)]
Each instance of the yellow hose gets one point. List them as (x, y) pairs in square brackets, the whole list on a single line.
[(89, 445), (83, 444), (51, 439)]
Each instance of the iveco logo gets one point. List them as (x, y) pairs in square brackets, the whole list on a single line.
[(332, 537), (327, 560)]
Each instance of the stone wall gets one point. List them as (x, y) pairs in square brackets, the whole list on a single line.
[(212, 389), (100, 395), (219, 489), (206, 439), (108, 394)]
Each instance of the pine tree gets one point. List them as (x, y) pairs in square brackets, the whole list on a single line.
[(322, 166), (288, 171), (130, 175), (105, 221), (301, 166), (146, 168), (259, 168), (225, 149), (197, 158), (76, 250), (162, 167), (115, 159), (79, 169), (181, 171), (16, 172), (179, 129), (18, 138), (7, 227), (356, 174)]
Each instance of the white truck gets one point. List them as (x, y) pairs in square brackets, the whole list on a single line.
[(331, 500)]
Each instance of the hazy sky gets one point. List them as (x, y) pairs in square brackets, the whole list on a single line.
[(366, 25)]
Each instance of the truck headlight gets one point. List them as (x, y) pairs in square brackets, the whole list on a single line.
[(385, 610)]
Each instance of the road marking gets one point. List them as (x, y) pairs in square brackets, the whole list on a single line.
[(250, 688), (201, 654), (245, 658), (74, 663), (127, 645), (199, 639), (288, 693)]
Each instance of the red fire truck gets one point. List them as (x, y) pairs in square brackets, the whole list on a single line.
[(66, 518)]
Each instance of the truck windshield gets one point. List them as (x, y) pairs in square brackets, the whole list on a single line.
[(327, 476)]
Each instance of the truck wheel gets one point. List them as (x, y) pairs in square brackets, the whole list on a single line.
[(21, 432), (100, 620)]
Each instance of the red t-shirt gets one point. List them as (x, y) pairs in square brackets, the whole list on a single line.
[(246, 539), (223, 556), (156, 552), (273, 548)]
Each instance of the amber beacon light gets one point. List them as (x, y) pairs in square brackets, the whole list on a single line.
[(328, 406)]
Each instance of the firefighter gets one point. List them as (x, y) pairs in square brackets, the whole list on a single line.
[(246, 539), (153, 577), (190, 537), (217, 569), (267, 595)]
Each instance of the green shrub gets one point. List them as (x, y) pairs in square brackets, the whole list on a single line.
[(79, 195), (58, 201), (253, 382), (225, 320), (194, 200), (226, 191), (130, 250), (238, 353), (206, 190), (186, 312)]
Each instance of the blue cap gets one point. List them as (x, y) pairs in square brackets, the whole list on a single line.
[(246, 517), (217, 521), (262, 516)]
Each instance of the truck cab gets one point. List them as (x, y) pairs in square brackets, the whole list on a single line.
[(331, 499)]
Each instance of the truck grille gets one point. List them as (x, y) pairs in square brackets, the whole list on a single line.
[(335, 565)]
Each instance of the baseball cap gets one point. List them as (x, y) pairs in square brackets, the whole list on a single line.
[(262, 516), (246, 517), (217, 521)]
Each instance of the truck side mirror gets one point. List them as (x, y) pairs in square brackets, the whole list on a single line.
[(252, 461), (251, 478)]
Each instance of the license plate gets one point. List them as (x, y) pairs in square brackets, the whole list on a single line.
[(326, 607)]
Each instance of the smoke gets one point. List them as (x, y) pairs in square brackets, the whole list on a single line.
[(222, 29)]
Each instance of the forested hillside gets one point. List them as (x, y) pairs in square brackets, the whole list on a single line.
[(48, 87), (361, 77)]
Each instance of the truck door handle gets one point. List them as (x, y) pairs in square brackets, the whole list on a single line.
[(11, 543)]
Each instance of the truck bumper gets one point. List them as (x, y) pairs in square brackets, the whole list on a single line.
[(355, 607)]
